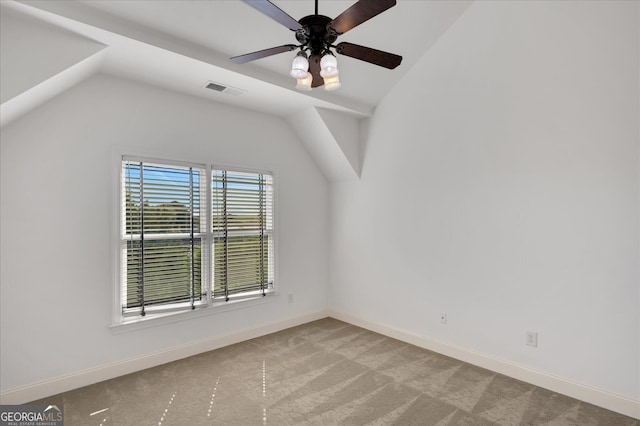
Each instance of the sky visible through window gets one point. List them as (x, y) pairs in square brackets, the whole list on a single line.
[(177, 182)]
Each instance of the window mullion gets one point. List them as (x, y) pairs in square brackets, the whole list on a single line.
[(261, 262), (226, 235), (142, 238), (207, 226), (192, 253)]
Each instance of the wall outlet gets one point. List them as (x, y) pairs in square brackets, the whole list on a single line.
[(290, 298), (443, 318), (532, 339)]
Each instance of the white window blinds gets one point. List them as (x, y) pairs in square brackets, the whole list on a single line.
[(163, 256), (242, 216), (193, 234)]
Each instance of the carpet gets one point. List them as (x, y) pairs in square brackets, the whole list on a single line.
[(326, 372)]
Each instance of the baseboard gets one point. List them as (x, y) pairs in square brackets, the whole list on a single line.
[(554, 383), (86, 377), (599, 397)]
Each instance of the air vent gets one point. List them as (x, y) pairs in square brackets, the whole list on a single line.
[(216, 87), (224, 89)]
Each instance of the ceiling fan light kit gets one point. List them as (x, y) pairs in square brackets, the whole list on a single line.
[(328, 66), (300, 66), (315, 64), (304, 84), (331, 83)]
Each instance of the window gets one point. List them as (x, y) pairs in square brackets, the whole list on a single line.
[(192, 236), (242, 232)]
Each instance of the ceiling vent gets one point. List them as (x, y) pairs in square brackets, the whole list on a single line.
[(229, 90)]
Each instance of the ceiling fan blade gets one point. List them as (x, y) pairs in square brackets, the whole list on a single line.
[(275, 13), (263, 53), (367, 54), (358, 13)]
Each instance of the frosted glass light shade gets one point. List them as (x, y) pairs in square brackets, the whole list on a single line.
[(299, 67), (331, 83), (328, 66), (304, 84)]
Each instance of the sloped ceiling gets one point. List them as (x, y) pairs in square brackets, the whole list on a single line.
[(39, 61), (333, 141), (182, 45), (27, 61)]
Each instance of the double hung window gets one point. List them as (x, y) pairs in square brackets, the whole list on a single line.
[(193, 235)]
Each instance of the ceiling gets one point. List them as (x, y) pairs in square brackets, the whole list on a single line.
[(181, 45)]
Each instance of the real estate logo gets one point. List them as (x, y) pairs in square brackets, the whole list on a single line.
[(31, 415)]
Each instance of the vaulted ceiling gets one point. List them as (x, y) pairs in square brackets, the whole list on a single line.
[(181, 45)]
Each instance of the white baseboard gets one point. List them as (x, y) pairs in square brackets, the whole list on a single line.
[(599, 397), (86, 377), (34, 391)]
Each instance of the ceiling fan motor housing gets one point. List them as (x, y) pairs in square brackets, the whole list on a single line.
[(316, 33)]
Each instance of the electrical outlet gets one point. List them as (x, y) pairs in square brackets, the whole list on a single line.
[(443, 318), (532, 339), (290, 298)]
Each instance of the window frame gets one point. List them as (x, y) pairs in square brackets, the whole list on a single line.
[(155, 309), (175, 311), (234, 233)]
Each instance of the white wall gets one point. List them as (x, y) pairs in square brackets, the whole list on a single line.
[(56, 216), (500, 185)]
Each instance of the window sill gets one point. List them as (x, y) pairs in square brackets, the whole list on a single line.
[(139, 323)]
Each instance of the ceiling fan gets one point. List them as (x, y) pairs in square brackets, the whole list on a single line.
[(316, 34)]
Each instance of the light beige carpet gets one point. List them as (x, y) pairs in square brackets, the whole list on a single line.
[(326, 372)]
